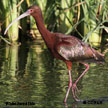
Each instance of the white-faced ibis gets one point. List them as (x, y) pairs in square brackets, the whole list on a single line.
[(64, 47)]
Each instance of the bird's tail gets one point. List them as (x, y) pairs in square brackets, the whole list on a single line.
[(99, 57)]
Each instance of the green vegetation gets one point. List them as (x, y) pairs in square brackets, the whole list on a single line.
[(86, 18), (95, 14), (8, 11)]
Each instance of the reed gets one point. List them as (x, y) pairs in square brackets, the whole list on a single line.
[(92, 26), (59, 15), (9, 12)]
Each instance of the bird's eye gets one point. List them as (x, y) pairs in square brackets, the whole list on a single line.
[(31, 10)]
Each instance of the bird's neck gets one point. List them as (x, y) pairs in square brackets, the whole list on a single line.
[(42, 29)]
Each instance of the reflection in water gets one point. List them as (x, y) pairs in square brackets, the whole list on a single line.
[(29, 73)]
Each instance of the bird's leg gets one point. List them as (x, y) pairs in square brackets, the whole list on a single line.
[(74, 87), (70, 85)]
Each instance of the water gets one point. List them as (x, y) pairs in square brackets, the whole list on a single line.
[(30, 75)]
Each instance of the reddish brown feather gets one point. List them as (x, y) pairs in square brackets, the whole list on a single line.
[(72, 49)]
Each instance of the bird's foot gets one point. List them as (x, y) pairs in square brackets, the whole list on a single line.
[(75, 91)]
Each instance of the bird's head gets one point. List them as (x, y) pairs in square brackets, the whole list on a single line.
[(33, 10)]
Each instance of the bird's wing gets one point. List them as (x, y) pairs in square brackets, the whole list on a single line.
[(71, 48)]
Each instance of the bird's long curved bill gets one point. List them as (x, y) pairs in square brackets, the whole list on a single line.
[(20, 17)]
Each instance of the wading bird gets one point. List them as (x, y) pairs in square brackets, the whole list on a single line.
[(64, 47)]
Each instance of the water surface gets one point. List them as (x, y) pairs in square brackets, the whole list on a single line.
[(29, 73)]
